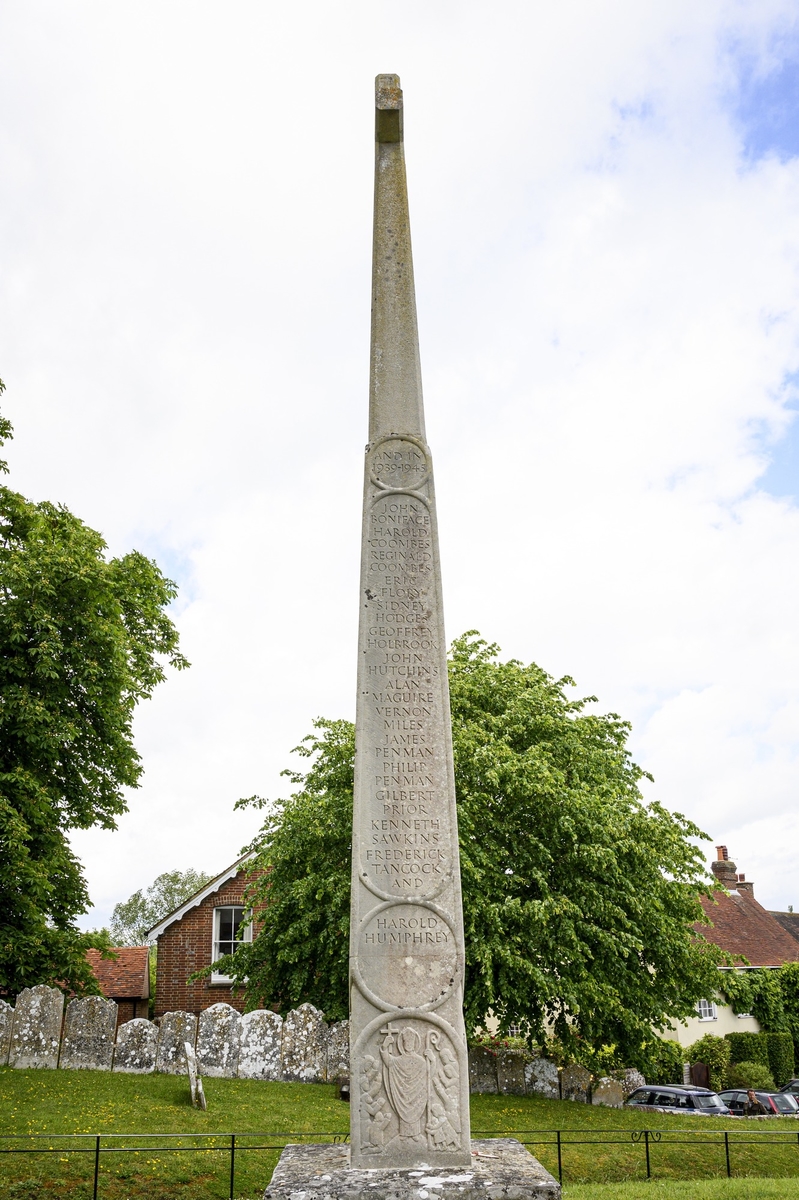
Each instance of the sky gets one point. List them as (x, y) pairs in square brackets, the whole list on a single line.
[(605, 213)]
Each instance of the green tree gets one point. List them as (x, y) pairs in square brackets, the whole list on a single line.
[(82, 640), (579, 899), (131, 919)]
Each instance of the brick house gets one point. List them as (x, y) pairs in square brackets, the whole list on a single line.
[(197, 933), (743, 927), (124, 979)]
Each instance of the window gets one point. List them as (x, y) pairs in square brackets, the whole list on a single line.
[(514, 1031), (227, 932), (706, 1010)]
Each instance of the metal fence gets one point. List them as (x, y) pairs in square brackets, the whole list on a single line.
[(233, 1145)]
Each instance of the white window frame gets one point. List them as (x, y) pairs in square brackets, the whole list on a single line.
[(707, 1010), (215, 954)]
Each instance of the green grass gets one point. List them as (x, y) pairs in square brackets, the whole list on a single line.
[(89, 1102)]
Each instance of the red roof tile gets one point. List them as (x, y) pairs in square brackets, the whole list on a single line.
[(128, 977), (742, 926)]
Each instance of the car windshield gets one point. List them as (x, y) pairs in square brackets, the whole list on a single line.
[(639, 1098), (704, 1101)]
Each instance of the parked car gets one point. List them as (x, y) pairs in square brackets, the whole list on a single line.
[(776, 1104), (684, 1100), (791, 1086)]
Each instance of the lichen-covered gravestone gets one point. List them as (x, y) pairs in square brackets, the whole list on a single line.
[(136, 1045), (608, 1091), (630, 1079), (338, 1051), (510, 1072), (305, 1045), (175, 1029), (576, 1083), (37, 1027), (260, 1045), (195, 1082), (482, 1070), (6, 1025), (218, 1041), (541, 1078), (89, 1030)]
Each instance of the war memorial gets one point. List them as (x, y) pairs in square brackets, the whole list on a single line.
[(410, 1131)]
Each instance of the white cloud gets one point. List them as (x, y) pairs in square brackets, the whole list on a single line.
[(608, 314)]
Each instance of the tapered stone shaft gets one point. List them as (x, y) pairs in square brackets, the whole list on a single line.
[(410, 1079)]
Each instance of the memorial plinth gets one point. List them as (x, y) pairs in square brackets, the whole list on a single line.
[(409, 1070)]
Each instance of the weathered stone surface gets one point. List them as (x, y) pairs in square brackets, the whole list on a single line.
[(630, 1079), (90, 1026), (195, 1082), (576, 1083), (510, 1072), (409, 1070), (338, 1051), (175, 1029), (305, 1045), (218, 1041), (36, 1035), (6, 1026), (260, 1045), (541, 1078), (137, 1041), (607, 1091), (499, 1169), (483, 1070)]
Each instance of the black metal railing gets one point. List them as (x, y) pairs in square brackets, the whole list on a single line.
[(235, 1144)]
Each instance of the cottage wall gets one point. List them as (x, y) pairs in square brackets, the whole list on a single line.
[(186, 946)]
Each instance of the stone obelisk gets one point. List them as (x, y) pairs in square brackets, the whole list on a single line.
[(409, 1068)]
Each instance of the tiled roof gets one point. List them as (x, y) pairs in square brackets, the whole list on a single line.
[(128, 977), (742, 926), (789, 921)]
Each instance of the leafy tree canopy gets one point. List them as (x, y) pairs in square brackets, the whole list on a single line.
[(82, 640), (131, 919), (579, 898)]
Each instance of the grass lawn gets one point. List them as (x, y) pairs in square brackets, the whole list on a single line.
[(49, 1103)]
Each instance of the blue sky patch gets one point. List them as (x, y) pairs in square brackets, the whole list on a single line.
[(766, 104)]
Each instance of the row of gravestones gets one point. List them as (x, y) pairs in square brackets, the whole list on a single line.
[(513, 1073), (258, 1045)]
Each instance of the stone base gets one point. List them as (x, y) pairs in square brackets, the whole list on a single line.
[(501, 1169)]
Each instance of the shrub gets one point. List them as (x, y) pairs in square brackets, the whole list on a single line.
[(780, 1056), (714, 1052), (662, 1061), (749, 1047), (750, 1075)]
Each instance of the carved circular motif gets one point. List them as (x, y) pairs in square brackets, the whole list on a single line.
[(399, 463), (408, 954)]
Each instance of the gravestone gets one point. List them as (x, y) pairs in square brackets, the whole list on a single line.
[(218, 1041), (510, 1072), (409, 1066), (36, 1035), (630, 1079), (338, 1051), (576, 1083), (90, 1026), (483, 1070), (136, 1046), (608, 1091), (195, 1082), (6, 1026), (175, 1030), (260, 1045), (541, 1078), (305, 1045)]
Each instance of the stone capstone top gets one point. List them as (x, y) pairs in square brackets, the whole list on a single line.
[(388, 109), (501, 1169)]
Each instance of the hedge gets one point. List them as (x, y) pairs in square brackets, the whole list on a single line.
[(749, 1047), (780, 1056), (714, 1052)]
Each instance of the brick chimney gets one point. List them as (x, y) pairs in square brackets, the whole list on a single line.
[(743, 886), (724, 869)]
